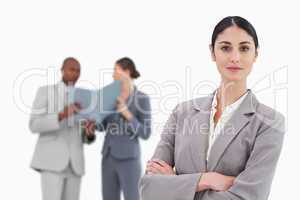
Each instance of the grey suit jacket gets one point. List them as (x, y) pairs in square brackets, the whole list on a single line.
[(57, 143), (122, 136), (248, 148)]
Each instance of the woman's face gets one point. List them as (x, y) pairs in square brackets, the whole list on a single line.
[(119, 73), (234, 53)]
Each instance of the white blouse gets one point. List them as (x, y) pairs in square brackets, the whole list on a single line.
[(215, 130)]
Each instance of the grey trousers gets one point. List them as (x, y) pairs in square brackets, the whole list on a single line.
[(63, 185), (120, 175)]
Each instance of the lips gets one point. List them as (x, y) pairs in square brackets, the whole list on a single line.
[(234, 68)]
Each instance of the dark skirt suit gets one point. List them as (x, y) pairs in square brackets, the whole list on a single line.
[(121, 165)]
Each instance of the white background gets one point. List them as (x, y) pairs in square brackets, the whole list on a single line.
[(168, 40)]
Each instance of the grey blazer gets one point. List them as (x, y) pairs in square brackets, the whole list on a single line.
[(57, 143), (248, 149), (122, 136)]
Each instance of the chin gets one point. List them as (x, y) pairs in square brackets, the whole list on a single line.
[(232, 78)]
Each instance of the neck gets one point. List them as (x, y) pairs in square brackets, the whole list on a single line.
[(229, 92), (126, 88), (68, 83), (131, 86)]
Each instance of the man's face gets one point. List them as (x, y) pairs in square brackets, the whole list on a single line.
[(71, 72)]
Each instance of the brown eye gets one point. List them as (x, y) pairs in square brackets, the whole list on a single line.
[(225, 48), (244, 48)]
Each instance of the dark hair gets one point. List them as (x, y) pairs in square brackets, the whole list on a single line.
[(68, 59), (234, 21), (127, 64)]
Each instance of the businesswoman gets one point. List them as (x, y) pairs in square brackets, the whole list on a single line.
[(223, 146), (121, 167)]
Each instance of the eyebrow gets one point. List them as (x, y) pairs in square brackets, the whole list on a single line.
[(226, 42), (245, 42)]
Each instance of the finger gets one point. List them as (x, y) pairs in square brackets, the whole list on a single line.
[(150, 173), (157, 167), (150, 162), (88, 125), (119, 99), (162, 163), (148, 169), (77, 105), (74, 108), (152, 170), (87, 131), (91, 130)]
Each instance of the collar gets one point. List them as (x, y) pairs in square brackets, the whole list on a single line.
[(247, 106), (65, 88), (229, 108)]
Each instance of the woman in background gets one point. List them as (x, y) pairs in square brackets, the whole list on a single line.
[(121, 165)]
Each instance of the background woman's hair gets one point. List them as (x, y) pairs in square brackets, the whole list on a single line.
[(128, 64), (234, 21)]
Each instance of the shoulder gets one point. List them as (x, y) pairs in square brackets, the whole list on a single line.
[(269, 118), (141, 96), (266, 112), (202, 104), (46, 88)]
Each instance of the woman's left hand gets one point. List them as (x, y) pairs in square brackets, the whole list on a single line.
[(123, 109), (157, 166)]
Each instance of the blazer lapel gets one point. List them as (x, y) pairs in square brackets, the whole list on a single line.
[(199, 126), (53, 102), (233, 127)]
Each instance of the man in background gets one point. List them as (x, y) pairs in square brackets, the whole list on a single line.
[(59, 153)]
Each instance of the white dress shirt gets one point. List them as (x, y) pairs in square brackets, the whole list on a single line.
[(66, 98), (215, 130)]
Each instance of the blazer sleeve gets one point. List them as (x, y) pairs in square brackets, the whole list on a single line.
[(140, 125), (41, 119), (255, 181), (168, 187)]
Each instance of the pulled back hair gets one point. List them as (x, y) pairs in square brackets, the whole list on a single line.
[(128, 64), (234, 21)]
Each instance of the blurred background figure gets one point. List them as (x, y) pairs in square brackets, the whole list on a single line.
[(121, 163), (58, 153)]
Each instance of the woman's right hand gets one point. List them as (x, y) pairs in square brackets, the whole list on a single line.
[(215, 181), (157, 166)]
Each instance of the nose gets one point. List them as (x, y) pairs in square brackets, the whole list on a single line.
[(235, 57)]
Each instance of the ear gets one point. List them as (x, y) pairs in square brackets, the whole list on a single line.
[(256, 54), (127, 72), (212, 53)]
